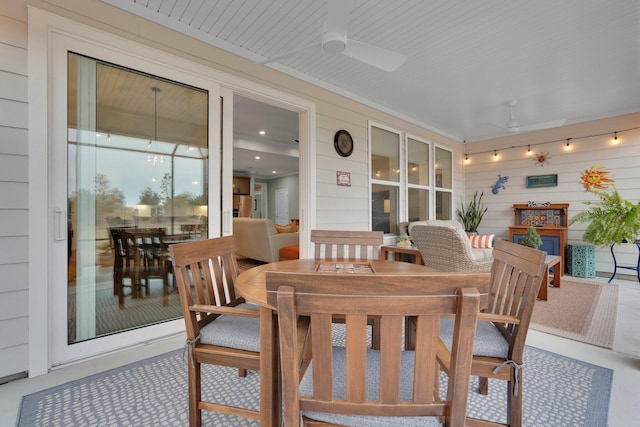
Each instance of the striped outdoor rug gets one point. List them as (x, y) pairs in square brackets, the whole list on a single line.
[(580, 310)]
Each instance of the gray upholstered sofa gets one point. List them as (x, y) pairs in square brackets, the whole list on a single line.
[(258, 239)]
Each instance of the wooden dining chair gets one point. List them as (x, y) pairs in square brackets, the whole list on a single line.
[(356, 385), (206, 271), (516, 275), (358, 245), (337, 244)]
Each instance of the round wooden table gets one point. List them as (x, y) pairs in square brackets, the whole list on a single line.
[(251, 285)]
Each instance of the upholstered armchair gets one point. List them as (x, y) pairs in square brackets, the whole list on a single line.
[(448, 248)]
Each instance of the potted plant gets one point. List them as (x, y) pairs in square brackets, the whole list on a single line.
[(472, 214), (531, 238), (404, 241), (613, 219)]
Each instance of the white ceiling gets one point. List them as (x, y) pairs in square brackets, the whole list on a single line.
[(572, 59)]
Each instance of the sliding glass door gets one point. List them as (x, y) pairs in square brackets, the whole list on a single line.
[(141, 142)]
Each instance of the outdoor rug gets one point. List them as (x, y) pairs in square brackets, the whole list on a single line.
[(557, 391), (580, 310)]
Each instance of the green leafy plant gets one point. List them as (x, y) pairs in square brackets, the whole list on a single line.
[(471, 215), (403, 238), (612, 219), (531, 238)]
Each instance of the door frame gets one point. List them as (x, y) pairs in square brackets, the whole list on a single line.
[(44, 27)]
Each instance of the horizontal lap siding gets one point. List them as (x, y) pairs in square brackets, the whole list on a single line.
[(622, 160), (14, 189)]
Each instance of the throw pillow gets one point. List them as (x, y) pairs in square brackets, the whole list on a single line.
[(481, 241), (289, 228)]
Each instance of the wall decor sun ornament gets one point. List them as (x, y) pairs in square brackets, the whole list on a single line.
[(596, 178), (541, 158)]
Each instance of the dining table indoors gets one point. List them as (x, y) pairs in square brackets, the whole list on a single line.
[(251, 284)]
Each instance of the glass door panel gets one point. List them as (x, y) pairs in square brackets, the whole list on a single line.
[(138, 168)]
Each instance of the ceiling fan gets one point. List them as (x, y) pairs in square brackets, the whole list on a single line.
[(334, 40), (512, 124)]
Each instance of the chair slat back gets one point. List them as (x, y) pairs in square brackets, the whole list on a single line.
[(341, 244), (205, 272), (398, 390), (516, 276)]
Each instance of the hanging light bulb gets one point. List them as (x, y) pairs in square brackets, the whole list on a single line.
[(466, 158), (568, 146), (495, 154), (528, 150), (615, 137)]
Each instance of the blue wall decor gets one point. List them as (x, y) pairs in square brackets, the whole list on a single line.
[(499, 184)]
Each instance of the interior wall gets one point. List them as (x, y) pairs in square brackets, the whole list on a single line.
[(591, 145), (291, 183)]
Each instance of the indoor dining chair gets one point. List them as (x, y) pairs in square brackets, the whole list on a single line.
[(222, 329), (516, 275), (354, 385)]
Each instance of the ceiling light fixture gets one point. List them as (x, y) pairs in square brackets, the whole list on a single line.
[(273, 172), (257, 157), (155, 115), (615, 137), (495, 154), (108, 137), (528, 149), (262, 132), (568, 146)]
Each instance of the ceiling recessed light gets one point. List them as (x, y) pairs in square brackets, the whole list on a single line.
[(257, 157), (262, 132), (273, 172)]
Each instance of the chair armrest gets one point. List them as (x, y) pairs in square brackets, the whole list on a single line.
[(498, 318), (233, 311)]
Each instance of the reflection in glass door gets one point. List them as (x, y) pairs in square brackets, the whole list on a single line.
[(137, 181)]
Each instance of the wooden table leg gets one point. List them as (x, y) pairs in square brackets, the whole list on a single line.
[(558, 272), (270, 392), (544, 286)]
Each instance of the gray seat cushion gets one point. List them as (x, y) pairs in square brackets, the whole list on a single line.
[(234, 331), (373, 391), (489, 341)]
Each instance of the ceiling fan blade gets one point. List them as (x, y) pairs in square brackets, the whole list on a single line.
[(288, 54), (375, 56), (338, 12), (543, 125)]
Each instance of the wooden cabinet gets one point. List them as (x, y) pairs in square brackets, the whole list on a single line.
[(241, 185), (550, 222), (241, 192)]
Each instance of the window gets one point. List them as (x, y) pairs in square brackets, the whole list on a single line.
[(410, 180), (443, 168), (417, 179), (385, 179)]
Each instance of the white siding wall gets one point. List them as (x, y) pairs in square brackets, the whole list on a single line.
[(13, 188), (623, 160)]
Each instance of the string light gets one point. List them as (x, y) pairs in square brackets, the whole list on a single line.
[(567, 141), (528, 150), (615, 138)]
